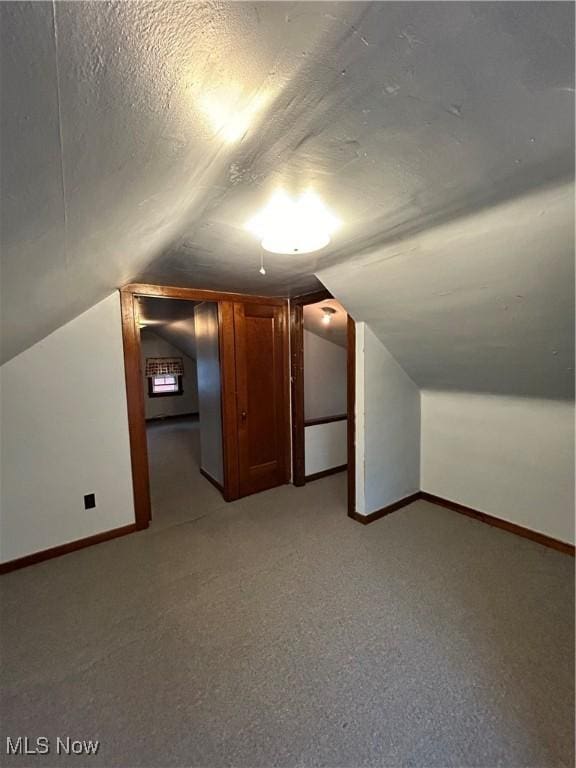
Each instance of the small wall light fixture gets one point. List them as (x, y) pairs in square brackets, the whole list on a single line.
[(327, 313)]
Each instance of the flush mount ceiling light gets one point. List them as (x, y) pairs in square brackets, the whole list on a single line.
[(327, 313), (294, 226)]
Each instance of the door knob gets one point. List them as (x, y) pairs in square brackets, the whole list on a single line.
[(243, 415)]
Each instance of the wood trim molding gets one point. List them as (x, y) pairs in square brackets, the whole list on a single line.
[(136, 416), (498, 522), (351, 402), (325, 420), (136, 409), (286, 373), (212, 480), (229, 412), (196, 294), (297, 391), (326, 473), (171, 417), (482, 517), (64, 549), (366, 519), (297, 385), (311, 298), (297, 378)]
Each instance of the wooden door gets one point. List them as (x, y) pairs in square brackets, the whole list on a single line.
[(262, 396)]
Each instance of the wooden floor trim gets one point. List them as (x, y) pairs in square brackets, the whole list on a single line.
[(366, 519), (172, 416), (498, 522), (483, 517), (325, 420), (326, 473), (212, 480), (65, 549)]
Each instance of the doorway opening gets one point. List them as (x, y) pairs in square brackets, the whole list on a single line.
[(242, 392), (323, 391), (180, 364)]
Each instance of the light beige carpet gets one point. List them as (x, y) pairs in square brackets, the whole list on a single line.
[(275, 631), (178, 492)]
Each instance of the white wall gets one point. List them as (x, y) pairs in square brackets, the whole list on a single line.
[(209, 389), (324, 377), (153, 345), (510, 457), (387, 426), (325, 446), (64, 435)]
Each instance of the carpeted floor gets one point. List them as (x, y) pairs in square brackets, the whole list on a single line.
[(275, 631), (179, 493)]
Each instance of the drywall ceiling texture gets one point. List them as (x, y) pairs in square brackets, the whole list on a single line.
[(138, 138), (485, 303)]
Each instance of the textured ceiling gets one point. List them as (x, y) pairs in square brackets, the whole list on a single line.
[(137, 139), (484, 303)]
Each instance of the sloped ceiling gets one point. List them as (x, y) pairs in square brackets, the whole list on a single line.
[(137, 139), (172, 319), (484, 303)]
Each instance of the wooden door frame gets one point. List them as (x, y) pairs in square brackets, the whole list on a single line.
[(297, 305), (135, 391)]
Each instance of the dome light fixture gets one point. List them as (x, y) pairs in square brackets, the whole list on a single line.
[(327, 313), (285, 225)]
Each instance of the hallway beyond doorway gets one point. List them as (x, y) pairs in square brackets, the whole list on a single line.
[(179, 493)]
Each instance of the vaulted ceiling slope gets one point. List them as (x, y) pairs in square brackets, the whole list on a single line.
[(138, 138), (484, 303), (172, 320)]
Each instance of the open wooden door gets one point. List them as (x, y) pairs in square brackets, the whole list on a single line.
[(262, 386)]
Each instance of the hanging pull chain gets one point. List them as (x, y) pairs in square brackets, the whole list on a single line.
[(262, 270)]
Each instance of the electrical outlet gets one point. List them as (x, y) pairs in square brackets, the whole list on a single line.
[(89, 501)]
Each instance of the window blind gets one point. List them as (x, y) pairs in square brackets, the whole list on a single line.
[(163, 366)]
